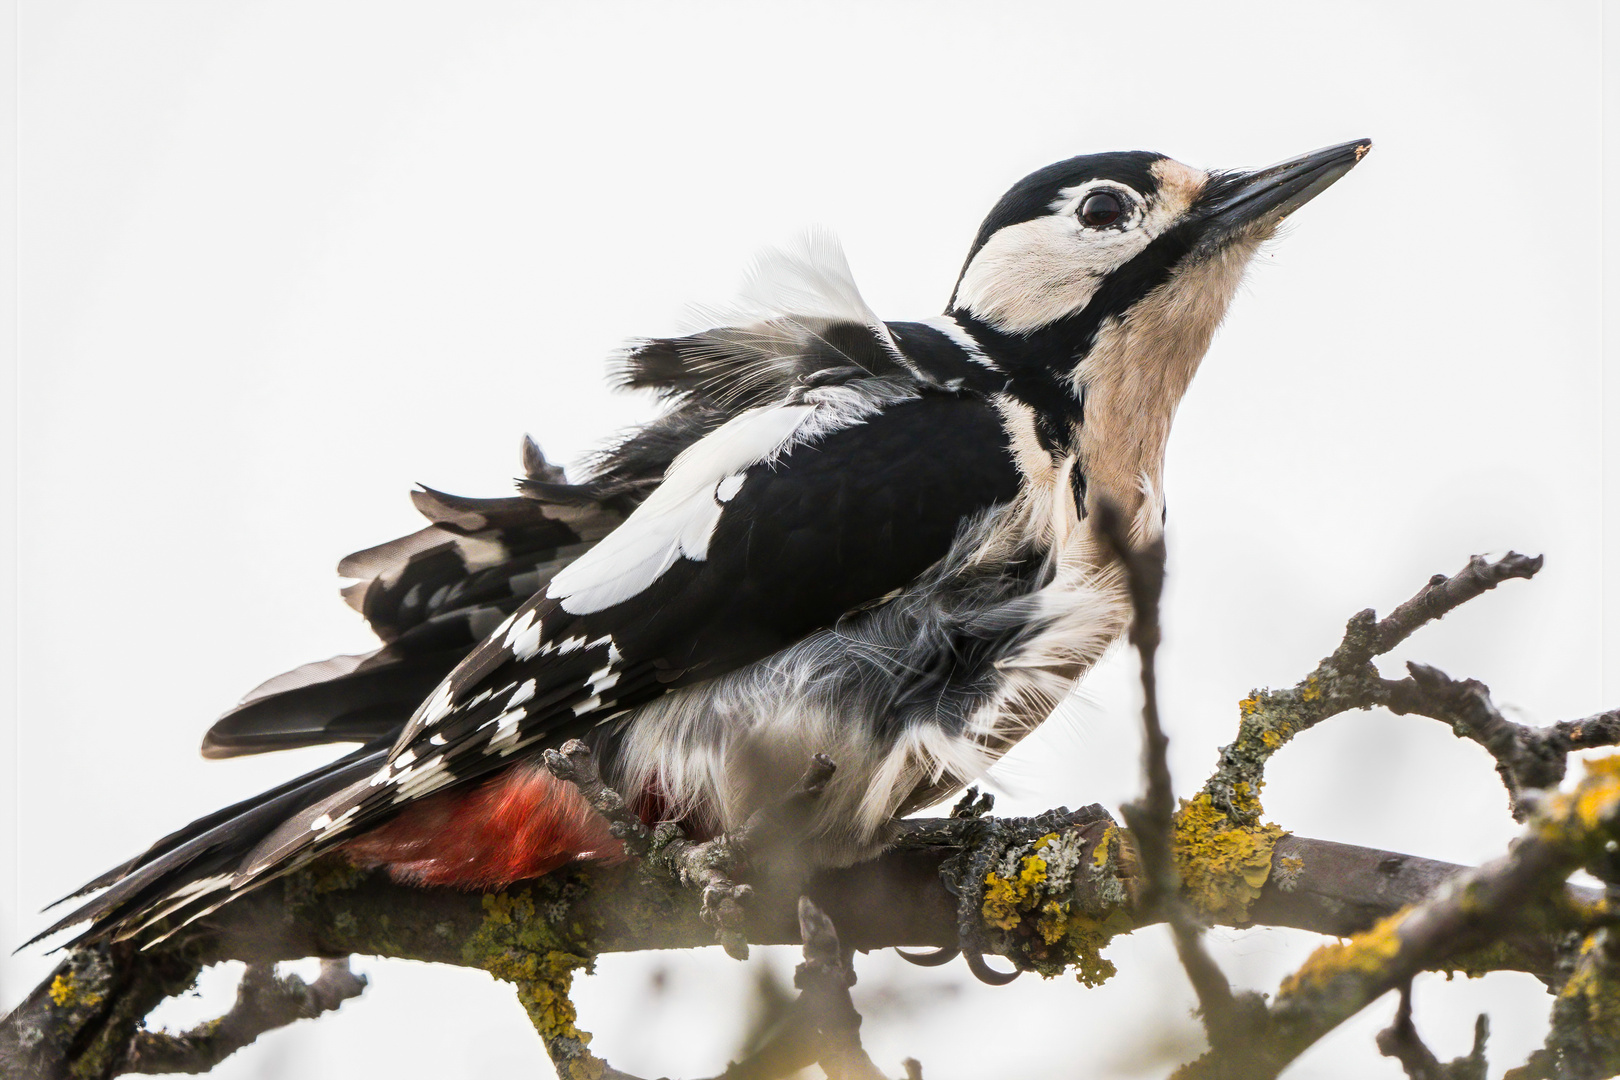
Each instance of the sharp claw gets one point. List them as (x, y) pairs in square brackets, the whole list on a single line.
[(987, 974), (934, 958)]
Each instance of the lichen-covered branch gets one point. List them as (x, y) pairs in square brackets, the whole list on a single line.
[(1469, 913), (1344, 681), (101, 993), (264, 1001), (1047, 892), (1583, 1041)]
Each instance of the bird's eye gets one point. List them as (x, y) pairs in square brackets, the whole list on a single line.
[(1100, 208)]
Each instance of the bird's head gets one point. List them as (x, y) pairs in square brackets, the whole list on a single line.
[(1087, 239), (1096, 285)]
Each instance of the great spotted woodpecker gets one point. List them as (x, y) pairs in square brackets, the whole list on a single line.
[(846, 536)]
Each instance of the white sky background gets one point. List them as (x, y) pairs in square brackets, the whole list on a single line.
[(280, 261)]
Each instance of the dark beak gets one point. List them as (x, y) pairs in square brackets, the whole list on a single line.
[(1268, 195)]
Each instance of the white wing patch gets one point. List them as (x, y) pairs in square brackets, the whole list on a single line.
[(679, 517)]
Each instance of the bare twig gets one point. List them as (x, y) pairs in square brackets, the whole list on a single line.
[(821, 1027), (1601, 729), (264, 1002), (1401, 1041), (1443, 595), (824, 980), (1152, 818), (1528, 759)]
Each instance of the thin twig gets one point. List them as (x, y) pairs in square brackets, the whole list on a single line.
[(1401, 1041), (1529, 759), (1443, 595), (824, 980), (1152, 818), (1601, 729), (264, 1002)]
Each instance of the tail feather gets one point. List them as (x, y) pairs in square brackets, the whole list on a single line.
[(206, 853), (431, 596)]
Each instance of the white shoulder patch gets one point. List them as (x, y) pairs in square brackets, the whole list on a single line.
[(679, 517)]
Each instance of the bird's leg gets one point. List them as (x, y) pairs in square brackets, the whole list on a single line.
[(575, 763), (986, 851), (970, 807), (710, 865), (707, 867), (989, 845)]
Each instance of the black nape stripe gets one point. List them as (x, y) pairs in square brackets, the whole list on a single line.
[(942, 360)]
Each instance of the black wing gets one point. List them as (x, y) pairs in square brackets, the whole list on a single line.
[(798, 539)]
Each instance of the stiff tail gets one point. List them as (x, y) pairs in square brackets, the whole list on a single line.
[(192, 870), (431, 596)]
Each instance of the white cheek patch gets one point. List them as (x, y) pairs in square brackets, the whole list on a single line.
[(1036, 272)]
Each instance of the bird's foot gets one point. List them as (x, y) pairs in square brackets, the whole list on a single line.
[(708, 866), (712, 866), (993, 851), (575, 763)]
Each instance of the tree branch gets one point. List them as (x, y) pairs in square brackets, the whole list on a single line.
[(897, 899), (1055, 888), (1401, 1041), (264, 1002), (1519, 890)]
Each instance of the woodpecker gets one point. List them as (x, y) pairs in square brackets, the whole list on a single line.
[(842, 535)]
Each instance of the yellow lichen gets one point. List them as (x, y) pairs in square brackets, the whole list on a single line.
[(1084, 939), (1007, 899), (1106, 843), (1595, 997), (1311, 691), (65, 992), (516, 944), (1223, 865), (1287, 872), (1369, 951), (1586, 816), (1041, 924), (1597, 797), (1250, 705)]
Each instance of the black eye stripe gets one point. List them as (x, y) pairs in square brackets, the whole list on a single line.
[(1101, 208)]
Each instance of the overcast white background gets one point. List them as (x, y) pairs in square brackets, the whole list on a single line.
[(279, 261)]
